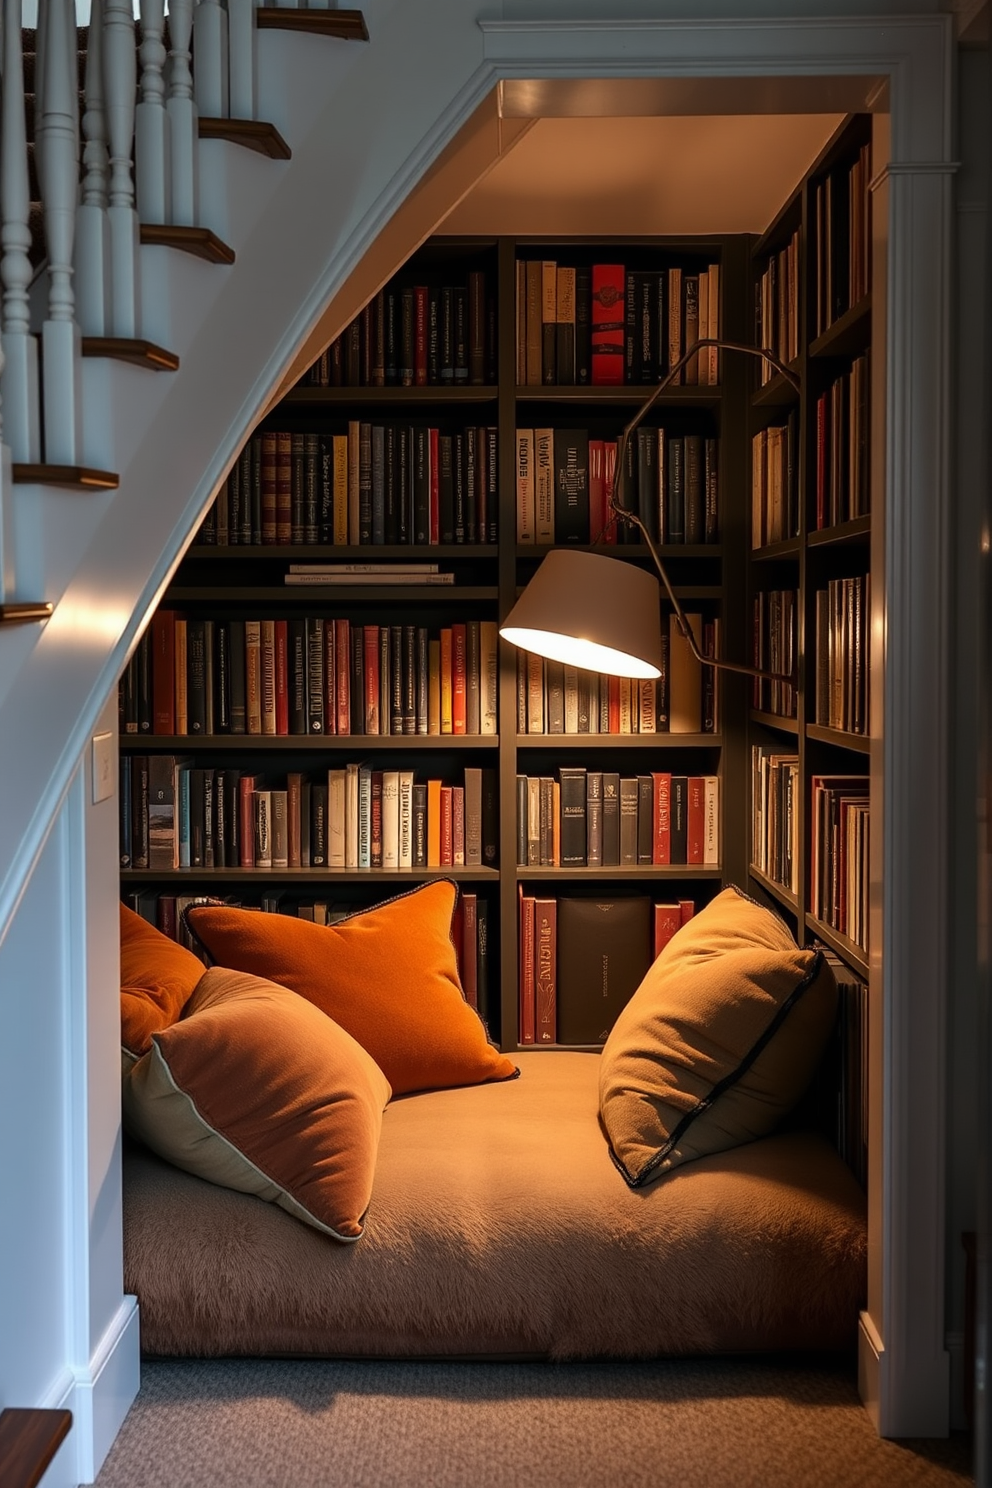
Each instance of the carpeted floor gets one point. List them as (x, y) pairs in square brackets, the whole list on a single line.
[(670, 1424)]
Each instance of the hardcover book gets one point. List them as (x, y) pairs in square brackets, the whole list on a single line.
[(604, 951)]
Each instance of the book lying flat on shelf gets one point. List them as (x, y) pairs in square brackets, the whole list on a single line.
[(387, 576), (363, 568)]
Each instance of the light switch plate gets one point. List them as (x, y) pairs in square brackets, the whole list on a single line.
[(103, 767)]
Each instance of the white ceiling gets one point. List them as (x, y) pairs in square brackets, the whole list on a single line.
[(674, 174)]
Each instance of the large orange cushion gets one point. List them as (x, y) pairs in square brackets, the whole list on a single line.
[(157, 978), (387, 975), (256, 1090)]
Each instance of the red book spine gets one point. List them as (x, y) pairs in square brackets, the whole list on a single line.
[(420, 335), (458, 678), (447, 835), (246, 820), (527, 990), (470, 949), (330, 680), (686, 910), (269, 482), (667, 919), (609, 476), (342, 674), (607, 324), (434, 531), (370, 676), (164, 672), (284, 488), (614, 704), (661, 850), (166, 919), (695, 820), (282, 676), (545, 971)]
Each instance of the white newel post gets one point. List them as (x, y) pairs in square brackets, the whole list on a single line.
[(57, 146), (241, 55), (19, 378), (120, 76), (182, 112), (210, 51), (92, 251), (151, 124), (6, 548)]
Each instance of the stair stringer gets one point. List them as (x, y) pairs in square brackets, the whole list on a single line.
[(299, 229)]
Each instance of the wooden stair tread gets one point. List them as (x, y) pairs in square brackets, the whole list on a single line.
[(348, 25), (136, 350), (254, 134), (196, 240), (29, 1439), (65, 475), (20, 614)]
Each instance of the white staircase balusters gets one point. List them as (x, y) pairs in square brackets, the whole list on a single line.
[(92, 228), (210, 87), (182, 112), (151, 124), (6, 473), (19, 379), (242, 59), (120, 73), (57, 146)]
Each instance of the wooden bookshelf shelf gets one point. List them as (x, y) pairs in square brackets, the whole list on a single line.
[(853, 955), (596, 741), (631, 552), (283, 744), (138, 352), (776, 890), (632, 873), (777, 392), (844, 534), (839, 738), (387, 397), (341, 595), (386, 878), (789, 547), (626, 396), (776, 721), (327, 553), (849, 333)]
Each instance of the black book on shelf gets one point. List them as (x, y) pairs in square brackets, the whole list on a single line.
[(238, 716), (675, 490), (458, 484), (647, 327), (315, 675), (694, 500), (711, 489), (222, 677), (297, 675), (482, 956), (470, 483), (396, 679), (124, 810), (196, 678), (447, 334), (391, 319), (378, 481), (649, 481), (421, 484), (325, 490), (490, 816), (197, 818), (364, 483), (318, 824), (571, 477), (459, 301), (409, 679), (423, 679), (554, 691), (604, 951), (680, 818), (353, 355), (297, 486), (433, 335), (406, 338), (522, 791), (631, 333), (356, 688), (491, 534), (573, 816), (143, 687), (419, 839), (139, 811), (404, 484), (611, 819), (391, 486)]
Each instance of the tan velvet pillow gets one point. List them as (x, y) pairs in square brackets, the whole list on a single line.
[(257, 1090), (158, 976), (388, 975), (719, 1041)]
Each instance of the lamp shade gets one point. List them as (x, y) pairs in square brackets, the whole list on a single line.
[(590, 611)]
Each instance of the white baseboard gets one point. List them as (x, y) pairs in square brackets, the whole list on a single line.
[(870, 1367), (101, 1395)]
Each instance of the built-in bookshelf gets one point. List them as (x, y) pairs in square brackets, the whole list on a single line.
[(344, 703), (809, 575)]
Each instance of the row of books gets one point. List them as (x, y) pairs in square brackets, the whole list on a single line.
[(368, 485), (553, 698), (775, 816), (178, 814), (585, 818), (565, 482), (777, 317), (605, 324), (840, 877), (842, 473), (775, 483), (842, 231), (199, 676), (470, 930), (776, 643), (842, 670), (426, 334), (581, 960)]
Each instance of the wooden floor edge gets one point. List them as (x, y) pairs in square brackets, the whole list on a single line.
[(81, 476), (200, 241)]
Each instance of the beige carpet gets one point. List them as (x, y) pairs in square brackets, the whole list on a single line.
[(674, 1424)]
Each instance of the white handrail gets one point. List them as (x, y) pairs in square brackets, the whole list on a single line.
[(151, 124), (57, 149), (19, 379), (92, 251)]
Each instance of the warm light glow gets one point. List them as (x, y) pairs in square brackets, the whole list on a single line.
[(576, 651)]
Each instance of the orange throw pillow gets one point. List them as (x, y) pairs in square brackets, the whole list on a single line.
[(388, 975), (157, 977)]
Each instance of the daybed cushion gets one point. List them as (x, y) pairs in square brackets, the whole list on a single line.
[(719, 1041), (388, 975), (499, 1226), (157, 979), (259, 1091)]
